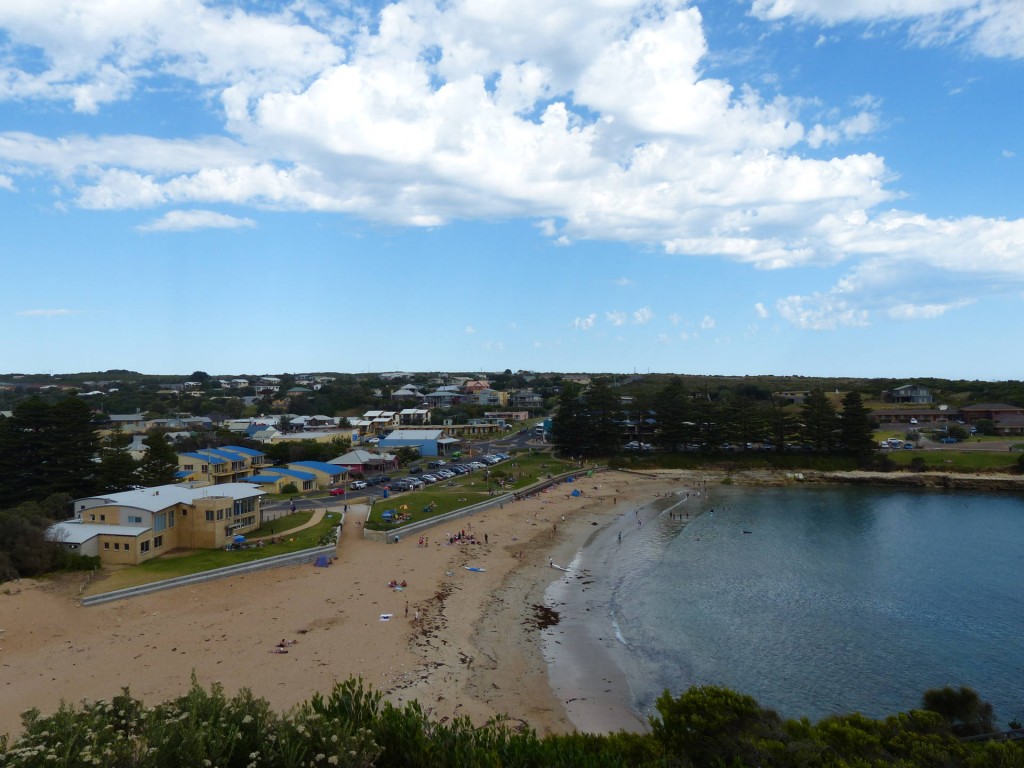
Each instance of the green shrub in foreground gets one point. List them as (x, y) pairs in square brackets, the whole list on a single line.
[(705, 727)]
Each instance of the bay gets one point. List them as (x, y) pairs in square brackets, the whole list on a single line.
[(814, 600)]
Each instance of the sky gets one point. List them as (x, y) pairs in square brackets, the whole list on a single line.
[(784, 187)]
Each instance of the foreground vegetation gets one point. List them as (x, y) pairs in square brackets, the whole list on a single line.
[(354, 727)]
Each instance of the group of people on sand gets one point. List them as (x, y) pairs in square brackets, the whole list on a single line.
[(394, 584), (461, 536), (283, 646)]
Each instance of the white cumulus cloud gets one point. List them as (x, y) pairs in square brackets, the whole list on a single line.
[(584, 323), (184, 221)]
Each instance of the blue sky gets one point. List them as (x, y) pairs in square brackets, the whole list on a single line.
[(733, 187)]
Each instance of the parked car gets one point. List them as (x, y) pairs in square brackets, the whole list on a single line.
[(415, 470), (355, 485), (338, 491)]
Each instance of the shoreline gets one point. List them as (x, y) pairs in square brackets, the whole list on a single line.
[(477, 650)]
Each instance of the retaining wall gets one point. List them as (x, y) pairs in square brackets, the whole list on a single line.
[(277, 561)]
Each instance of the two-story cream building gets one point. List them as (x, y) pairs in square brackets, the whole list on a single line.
[(131, 527)]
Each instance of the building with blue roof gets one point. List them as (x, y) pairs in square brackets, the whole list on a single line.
[(327, 475), (274, 479), (227, 464)]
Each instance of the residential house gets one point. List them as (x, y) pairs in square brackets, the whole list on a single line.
[(408, 392), (526, 399), (992, 411), (414, 416), (909, 393), (508, 415), (429, 442), (442, 398), (491, 397), (360, 462)]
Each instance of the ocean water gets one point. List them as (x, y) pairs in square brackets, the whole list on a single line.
[(815, 601)]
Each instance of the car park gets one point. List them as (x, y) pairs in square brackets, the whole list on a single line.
[(415, 470)]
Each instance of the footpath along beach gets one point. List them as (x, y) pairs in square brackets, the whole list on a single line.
[(474, 651)]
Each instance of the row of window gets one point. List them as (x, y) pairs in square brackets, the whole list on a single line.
[(158, 541)]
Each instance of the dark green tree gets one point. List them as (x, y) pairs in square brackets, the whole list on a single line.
[(75, 444), (856, 430), (782, 425), (569, 426), (675, 416), (160, 464), (603, 419), (46, 449), (117, 469), (820, 425), (965, 711), (711, 726)]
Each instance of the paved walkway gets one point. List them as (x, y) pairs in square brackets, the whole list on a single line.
[(318, 515)]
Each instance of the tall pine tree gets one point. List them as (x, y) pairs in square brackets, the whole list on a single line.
[(820, 425), (160, 464), (118, 468), (856, 431)]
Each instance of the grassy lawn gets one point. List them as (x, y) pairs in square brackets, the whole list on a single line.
[(197, 561), (959, 461), (466, 489)]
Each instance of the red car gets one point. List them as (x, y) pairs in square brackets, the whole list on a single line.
[(337, 491)]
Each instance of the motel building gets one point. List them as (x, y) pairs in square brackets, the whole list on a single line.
[(132, 527)]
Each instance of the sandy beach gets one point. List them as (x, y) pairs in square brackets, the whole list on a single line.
[(474, 651)]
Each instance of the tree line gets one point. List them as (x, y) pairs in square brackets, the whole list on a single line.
[(596, 422), (51, 453)]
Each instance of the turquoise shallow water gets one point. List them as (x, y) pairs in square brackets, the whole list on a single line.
[(833, 600)]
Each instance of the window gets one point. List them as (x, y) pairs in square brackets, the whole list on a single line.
[(220, 514), (144, 546), (170, 519), (103, 517), (125, 547), (134, 519), (209, 515), (106, 545), (92, 517), (116, 545), (189, 467), (160, 521), (158, 541)]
